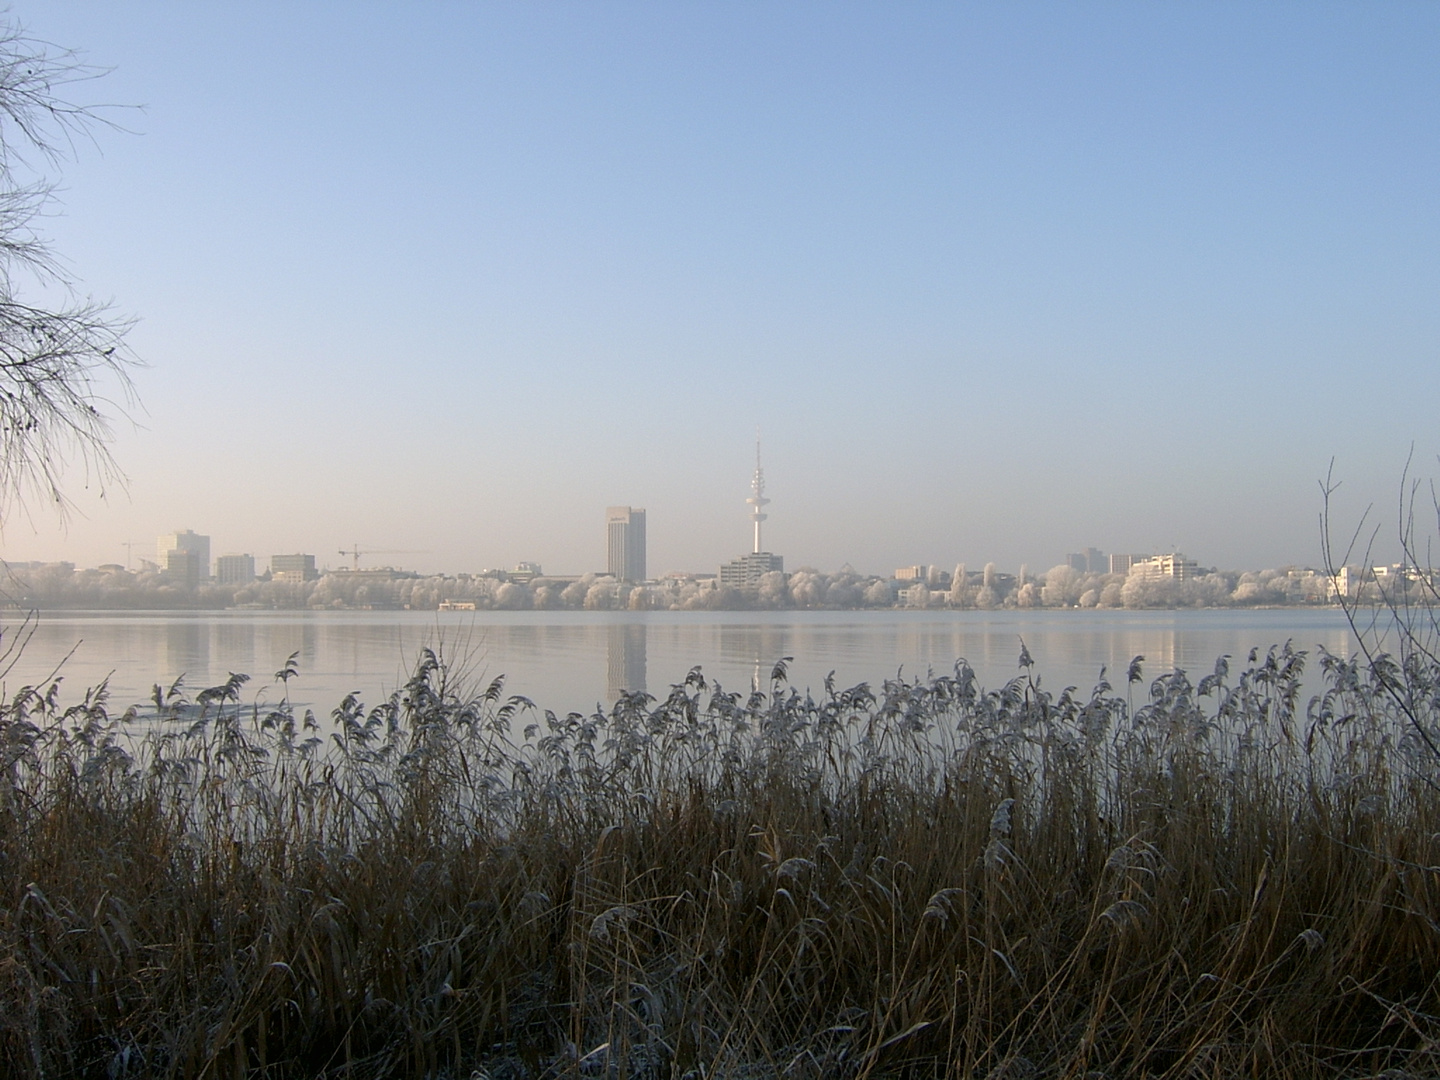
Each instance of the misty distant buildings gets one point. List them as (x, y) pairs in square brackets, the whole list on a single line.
[(184, 558), (1090, 561), (295, 569), (183, 567), (1172, 565), (625, 542), (192, 564), (1121, 564), (234, 569), (932, 577)]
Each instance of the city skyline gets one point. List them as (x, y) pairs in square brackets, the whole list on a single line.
[(994, 282), (625, 559), (1087, 579), (754, 581), (185, 555)]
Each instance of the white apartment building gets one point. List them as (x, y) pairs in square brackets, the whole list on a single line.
[(1174, 565)]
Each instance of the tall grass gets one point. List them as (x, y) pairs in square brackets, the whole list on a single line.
[(927, 879)]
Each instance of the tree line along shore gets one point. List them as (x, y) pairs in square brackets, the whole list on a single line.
[(64, 586)]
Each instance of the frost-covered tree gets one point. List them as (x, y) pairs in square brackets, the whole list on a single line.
[(878, 594), (603, 595), (808, 588), (957, 595), (512, 597), (1144, 591), (722, 598), (773, 592), (845, 591), (1062, 586), (573, 595)]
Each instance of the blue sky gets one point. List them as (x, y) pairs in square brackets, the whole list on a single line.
[(997, 282)]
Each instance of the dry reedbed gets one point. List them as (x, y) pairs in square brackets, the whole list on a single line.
[(924, 880)]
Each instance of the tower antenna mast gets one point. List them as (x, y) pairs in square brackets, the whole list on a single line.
[(757, 500)]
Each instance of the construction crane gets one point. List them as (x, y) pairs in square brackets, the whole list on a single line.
[(355, 551)]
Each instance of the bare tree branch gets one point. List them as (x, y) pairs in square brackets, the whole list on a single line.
[(62, 366), (1396, 622)]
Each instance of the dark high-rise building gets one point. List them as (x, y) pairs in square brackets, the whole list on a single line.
[(186, 540), (1091, 560), (625, 542), (183, 567)]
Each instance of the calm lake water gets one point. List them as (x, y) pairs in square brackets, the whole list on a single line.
[(574, 660)]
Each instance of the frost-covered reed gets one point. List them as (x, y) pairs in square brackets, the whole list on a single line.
[(924, 879)]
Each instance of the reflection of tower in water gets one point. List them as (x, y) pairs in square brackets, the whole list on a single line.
[(625, 655), (754, 650)]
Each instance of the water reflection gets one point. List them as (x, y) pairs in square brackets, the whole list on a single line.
[(576, 660), (625, 649), (747, 654), (233, 637), (187, 648)]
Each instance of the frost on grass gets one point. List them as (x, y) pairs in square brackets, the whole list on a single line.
[(919, 878)]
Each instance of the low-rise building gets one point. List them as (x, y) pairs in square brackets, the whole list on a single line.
[(294, 569), (747, 570), (1174, 565)]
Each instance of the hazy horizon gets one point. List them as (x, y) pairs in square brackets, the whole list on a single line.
[(995, 282)]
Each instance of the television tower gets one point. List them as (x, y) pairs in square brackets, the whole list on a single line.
[(757, 500)]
